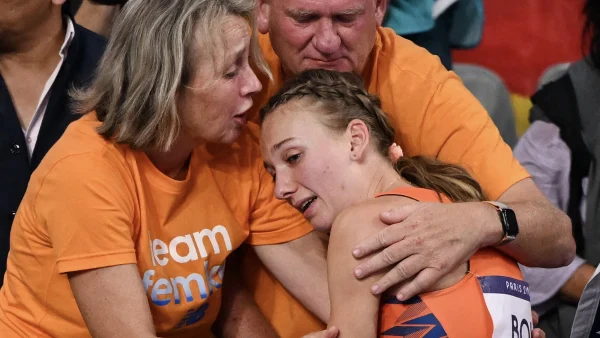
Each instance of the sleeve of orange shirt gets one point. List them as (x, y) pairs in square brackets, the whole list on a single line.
[(457, 129), (87, 208)]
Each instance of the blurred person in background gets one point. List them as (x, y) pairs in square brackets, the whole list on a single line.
[(97, 15), (437, 25), (43, 53), (560, 150)]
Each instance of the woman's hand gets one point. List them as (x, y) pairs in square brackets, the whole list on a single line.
[(536, 333), (331, 332)]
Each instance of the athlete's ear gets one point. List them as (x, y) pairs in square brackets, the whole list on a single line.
[(357, 133)]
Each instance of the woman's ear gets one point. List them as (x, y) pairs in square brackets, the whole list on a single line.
[(358, 135)]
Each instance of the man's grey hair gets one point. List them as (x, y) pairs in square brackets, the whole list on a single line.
[(149, 58)]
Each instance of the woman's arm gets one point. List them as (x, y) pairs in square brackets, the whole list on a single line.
[(113, 302), (239, 315), (300, 266), (354, 309)]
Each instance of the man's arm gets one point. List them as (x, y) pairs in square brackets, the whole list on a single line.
[(239, 315), (455, 128), (446, 235), (301, 267), (545, 238)]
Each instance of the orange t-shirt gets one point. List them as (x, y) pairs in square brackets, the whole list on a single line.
[(433, 115), (457, 311), (93, 203)]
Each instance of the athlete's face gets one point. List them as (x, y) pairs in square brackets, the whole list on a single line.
[(311, 164)]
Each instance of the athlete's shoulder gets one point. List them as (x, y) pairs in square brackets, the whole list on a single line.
[(368, 211)]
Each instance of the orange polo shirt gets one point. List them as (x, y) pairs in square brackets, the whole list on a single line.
[(93, 203), (433, 114)]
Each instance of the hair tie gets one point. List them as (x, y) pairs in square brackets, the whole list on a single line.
[(395, 152)]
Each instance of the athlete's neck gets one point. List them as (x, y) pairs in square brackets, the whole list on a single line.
[(384, 178)]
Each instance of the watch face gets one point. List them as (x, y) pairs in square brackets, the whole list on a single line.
[(511, 222)]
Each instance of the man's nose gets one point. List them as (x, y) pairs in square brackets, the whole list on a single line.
[(326, 40)]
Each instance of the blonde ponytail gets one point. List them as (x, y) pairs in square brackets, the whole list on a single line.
[(448, 179)]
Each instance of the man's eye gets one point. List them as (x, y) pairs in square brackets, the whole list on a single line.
[(346, 18), (305, 18)]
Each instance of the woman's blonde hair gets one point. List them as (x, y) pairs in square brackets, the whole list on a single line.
[(149, 58), (343, 98)]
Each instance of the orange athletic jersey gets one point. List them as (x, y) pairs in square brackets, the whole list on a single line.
[(433, 115), (457, 311), (93, 203)]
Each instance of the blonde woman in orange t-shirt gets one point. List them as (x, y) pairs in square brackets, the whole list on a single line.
[(328, 146), (127, 223)]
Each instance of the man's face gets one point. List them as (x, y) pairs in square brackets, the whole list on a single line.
[(19, 17), (333, 34)]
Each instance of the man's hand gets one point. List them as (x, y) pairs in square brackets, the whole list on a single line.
[(331, 332), (425, 241)]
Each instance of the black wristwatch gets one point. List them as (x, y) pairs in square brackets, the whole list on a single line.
[(508, 220)]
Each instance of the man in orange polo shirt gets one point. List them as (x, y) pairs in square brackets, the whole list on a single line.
[(434, 115)]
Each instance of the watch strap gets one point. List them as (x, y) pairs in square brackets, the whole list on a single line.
[(500, 207)]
